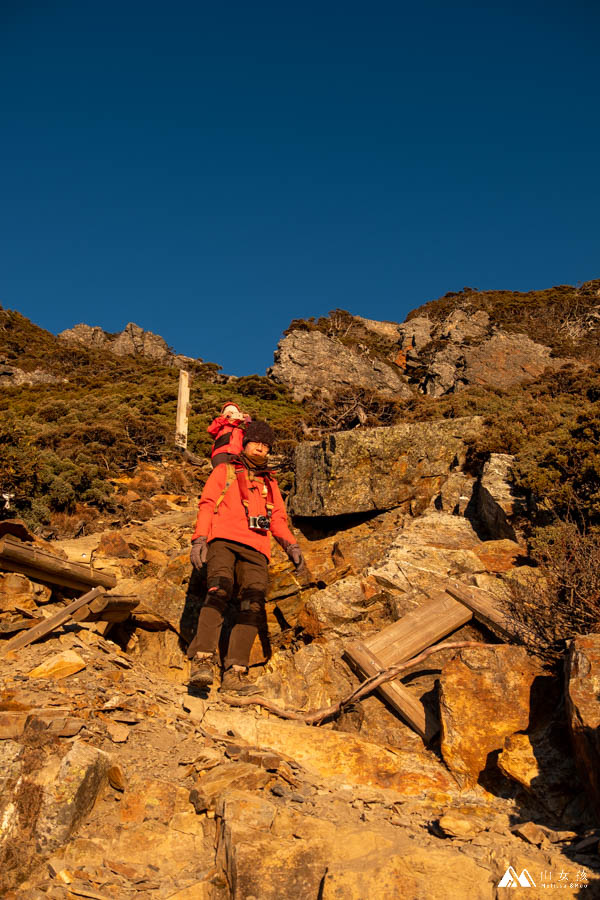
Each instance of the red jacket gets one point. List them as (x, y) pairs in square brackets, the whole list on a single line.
[(230, 522), (228, 436)]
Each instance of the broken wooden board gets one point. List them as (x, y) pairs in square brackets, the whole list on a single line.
[(402, 640), (485, 611), (49, 624), (107, 608), (418, 629), (16, 556)]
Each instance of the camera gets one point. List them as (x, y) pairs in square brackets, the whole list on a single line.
[(259, 523)]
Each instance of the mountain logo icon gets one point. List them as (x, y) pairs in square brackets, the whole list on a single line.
[(511, 879)]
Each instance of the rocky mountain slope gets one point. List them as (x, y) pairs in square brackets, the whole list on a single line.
[(117, 782)]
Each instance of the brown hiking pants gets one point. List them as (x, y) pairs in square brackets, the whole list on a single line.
[(230, 562)]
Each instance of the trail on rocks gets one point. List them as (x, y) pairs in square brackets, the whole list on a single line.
[(118, 783)]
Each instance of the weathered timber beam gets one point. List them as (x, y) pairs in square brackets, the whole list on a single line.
[(49, 624), (15, 556), (107, 608), (480, 604), (399, 697)]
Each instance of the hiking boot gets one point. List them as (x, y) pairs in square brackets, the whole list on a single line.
[(202, 670), (235, 681)]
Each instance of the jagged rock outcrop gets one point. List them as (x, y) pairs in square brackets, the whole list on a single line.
[(435, 547), (379, 468), (310, 360), (465, 349), (388, 330), (435, 356), (498, 502), (132, 341)]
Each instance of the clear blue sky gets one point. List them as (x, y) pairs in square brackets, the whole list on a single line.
[(213, 170)]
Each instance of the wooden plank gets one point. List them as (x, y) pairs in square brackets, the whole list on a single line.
[(418, 629), (481, 605), (399, 697), (107, 608), (15, 556), (49, 624), (183, 409)]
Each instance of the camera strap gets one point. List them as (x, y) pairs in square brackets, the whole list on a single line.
[(242, 479)]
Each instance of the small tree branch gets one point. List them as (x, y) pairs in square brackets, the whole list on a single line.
[(317, 716)]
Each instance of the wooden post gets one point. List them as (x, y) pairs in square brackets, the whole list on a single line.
[(16, 556), (49, 624), (183, 410)]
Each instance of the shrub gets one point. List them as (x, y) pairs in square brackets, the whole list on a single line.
[(562, 599), (350, 408)]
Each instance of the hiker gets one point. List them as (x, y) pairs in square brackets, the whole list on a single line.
[(240, 507), (228, 433)]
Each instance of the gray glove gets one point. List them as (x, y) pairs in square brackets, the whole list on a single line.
[(198, 553), (295, 555), (293, 551)]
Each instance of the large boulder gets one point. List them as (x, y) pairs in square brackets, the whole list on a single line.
[(485, 697), (372, 469), (541, 762), (70, 791), (583, 709), (309, 360), (17, 591)]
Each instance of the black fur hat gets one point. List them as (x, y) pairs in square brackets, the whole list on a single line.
[(260, 432)]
